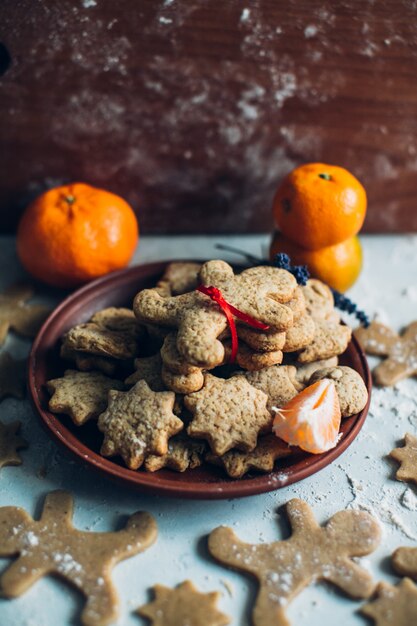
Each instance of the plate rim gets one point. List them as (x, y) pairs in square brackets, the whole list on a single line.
[(148, 482)]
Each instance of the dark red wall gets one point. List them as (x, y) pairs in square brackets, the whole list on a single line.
[(194, 109)]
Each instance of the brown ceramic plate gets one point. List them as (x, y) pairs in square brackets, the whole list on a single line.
[(208, 482)]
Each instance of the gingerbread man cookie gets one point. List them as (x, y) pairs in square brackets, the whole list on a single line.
[(260, 292), (393, 606), (312, 553), (329, 340), (400, 350), (53, 545), (180, 277), (350, 387), (112, 332), (15, 314), (228, 414), (183, 606), (407, 456)]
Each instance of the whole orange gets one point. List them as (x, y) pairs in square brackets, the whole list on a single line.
[(338, 266), (72, 234), (319, 205)]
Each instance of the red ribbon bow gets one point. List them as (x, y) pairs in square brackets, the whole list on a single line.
[(230, 311)]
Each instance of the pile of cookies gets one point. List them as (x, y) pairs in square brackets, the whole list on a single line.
[(159, 382)]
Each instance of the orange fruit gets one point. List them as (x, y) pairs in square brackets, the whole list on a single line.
[(75, 233), (338, 266), (312, 419), (319, 205)]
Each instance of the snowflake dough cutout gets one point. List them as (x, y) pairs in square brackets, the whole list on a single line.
[(15, 314), (183, 605), (10, 442), (393, 606), (407, 456), (284, 568), (53, 546)]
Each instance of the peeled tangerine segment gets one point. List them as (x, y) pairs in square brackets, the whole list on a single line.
[(311, 420)]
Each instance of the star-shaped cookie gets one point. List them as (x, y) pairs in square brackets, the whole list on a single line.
[(138, 423), (393, 606), (10, 442), (15, 314), (81, 395), (262, 459), (407, 456), (12, 377), (184, 605), (183, 453), (228, 414)]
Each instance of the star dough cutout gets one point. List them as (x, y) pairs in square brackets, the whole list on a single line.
[(407, 456), (228, 413), (183, 605), (137, 423), (401, 350), (262, 459), (15, 314), (284, 568), (81, 395), (12, 377), (53, 546), (393, 606), (10, 442)]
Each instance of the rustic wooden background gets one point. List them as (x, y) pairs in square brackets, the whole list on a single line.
[(193, 110)]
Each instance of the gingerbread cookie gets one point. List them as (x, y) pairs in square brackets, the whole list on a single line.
[(12, 377), (278, 382), (300, 335), (393, 606), (401, 351), (319, 299), (350, 388), (10, 443), (261, 459), (137, 423), (312, 553), (177, 374), (250, 360), (183, 453), (262, 340), (180, 277), (329, 340), (148, 369), (88, 362), (258, 292), (306, 370), (111, 333), (85, 559), (81, 395), (228, 414), (15, 314), (407, 456), (183, 606)]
